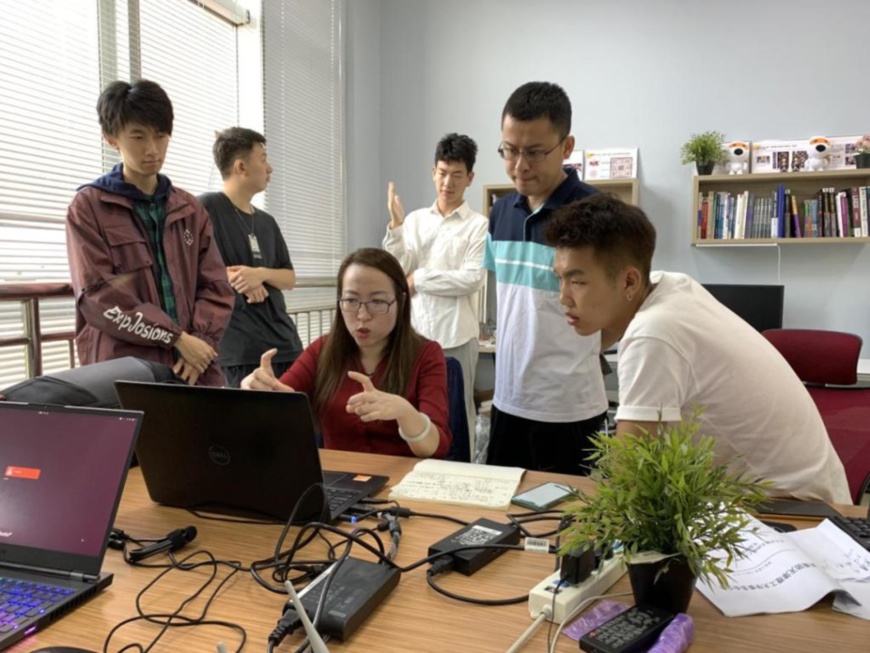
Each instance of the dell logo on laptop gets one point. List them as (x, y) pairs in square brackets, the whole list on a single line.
[(219, 454)]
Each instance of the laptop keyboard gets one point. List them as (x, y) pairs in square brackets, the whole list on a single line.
[(22, 600), (857, 527), (338, 499)]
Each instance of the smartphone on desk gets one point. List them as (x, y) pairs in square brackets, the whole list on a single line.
[(543, 496)]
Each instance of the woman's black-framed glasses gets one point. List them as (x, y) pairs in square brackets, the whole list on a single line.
[(373, 306), (536, 155)]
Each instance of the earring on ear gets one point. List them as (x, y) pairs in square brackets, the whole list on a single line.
[(628, 297)]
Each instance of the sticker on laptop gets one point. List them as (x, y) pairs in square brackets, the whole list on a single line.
[(30, 473), (362, 478)]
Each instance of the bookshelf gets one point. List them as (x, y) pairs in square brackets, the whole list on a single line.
[(624, 189), (803, 185)]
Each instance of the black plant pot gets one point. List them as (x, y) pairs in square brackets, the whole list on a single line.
[(705, 168), (671, 591), (862, 160)]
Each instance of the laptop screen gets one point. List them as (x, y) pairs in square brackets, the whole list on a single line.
[(62, 471)]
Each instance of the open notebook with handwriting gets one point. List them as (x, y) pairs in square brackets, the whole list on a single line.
[(468, 484)]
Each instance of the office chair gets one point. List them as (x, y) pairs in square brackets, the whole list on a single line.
[(827, 363), (457, 417)]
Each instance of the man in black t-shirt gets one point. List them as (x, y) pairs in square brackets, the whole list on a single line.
[(256, 256)]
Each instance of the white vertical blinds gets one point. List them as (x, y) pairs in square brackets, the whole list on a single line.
[(49, 145), (49, 136), (192, 54), (304, 127), (56, 57)]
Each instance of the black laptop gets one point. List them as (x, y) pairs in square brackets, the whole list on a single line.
[(237, 452), (63, 473)]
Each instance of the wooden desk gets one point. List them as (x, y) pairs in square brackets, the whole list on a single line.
[(413, 618)]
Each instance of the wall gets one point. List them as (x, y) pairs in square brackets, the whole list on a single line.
[(639, 73)]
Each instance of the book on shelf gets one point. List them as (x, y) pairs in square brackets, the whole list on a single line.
[(613, 163), (780, 214)]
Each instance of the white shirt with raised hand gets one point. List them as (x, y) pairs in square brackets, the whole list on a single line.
[(445, 255)]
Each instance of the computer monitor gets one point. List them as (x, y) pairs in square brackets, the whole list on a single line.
[(759, 305)]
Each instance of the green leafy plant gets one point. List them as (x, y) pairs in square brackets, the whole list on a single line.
[(663, 492), (705, 147)]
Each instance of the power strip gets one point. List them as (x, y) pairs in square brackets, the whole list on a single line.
[(567, 596)]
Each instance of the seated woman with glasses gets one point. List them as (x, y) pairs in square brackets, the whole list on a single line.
[(375, 384)]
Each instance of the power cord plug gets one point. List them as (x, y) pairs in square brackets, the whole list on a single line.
[(440, 566), (288, 623)]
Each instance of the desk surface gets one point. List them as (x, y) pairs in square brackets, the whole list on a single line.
[(413, 618)]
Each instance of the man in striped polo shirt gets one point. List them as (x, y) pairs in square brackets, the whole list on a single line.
[(549, 388)]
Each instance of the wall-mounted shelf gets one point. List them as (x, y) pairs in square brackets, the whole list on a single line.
[(803, 185)]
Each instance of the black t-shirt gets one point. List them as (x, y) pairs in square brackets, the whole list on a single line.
[(253, 328)]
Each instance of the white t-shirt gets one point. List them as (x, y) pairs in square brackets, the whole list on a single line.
[(684, 350)]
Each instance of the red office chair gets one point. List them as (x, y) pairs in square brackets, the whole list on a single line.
[(823, 359)]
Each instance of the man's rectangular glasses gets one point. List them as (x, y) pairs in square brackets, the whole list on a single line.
[(373, 306), (510, 153)]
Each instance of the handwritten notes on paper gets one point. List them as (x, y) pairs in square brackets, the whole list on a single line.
[(444, 481)]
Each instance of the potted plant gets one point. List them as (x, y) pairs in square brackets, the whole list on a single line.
[(705, 151), (862, 152), (672, 508)]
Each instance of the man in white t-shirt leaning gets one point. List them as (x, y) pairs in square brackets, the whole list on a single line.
[(441, 250), (680, 350)]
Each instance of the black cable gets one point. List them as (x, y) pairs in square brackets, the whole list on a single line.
[(551, 620), (520, 519), (382, 558), (306, 644), (333, 572), (266, 521), (445, 563), (434, 516), (175, 618), (399, 511)]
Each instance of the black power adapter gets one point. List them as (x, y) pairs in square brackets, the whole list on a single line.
[(578, 564), (357, 589), (480, 532)]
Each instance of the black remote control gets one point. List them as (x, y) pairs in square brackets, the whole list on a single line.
[(857, 527), (636, 629)]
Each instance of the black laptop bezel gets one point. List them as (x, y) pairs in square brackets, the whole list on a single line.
[(167, 481)]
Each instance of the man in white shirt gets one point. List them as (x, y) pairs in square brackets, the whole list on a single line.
[(680, 350), (441, 250)]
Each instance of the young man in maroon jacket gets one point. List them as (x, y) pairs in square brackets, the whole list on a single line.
[(148, 277)]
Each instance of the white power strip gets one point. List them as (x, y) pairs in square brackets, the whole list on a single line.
[(567, 596)]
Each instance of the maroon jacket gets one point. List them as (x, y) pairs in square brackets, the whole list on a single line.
[(117, 300)]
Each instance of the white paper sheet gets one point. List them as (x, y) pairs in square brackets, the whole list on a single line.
[(790, 572)]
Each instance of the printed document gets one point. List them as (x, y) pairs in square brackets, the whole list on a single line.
[(790, 572)]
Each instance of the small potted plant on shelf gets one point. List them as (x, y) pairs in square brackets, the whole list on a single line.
[(862, 152), (705, 150), (673, 509)]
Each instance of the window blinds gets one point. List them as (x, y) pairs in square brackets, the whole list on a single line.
[(57, 55), (304, 127)]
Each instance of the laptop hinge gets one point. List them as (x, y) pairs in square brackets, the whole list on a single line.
[(82, 577), (72, 575)]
